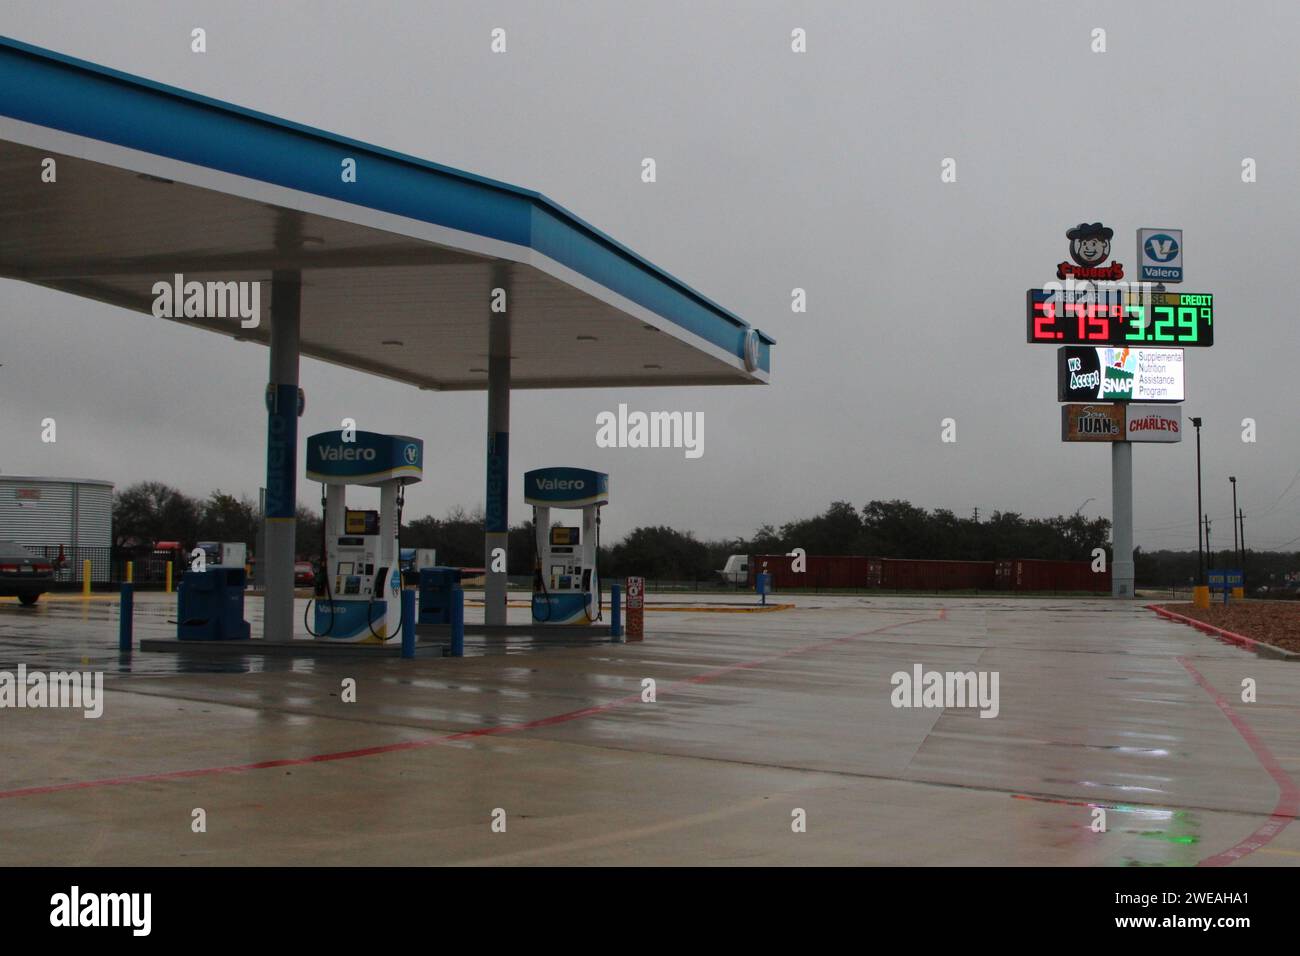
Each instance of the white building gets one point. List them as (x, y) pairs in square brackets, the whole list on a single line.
[(44, 513)]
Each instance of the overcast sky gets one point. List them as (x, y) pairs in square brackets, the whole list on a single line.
[(775, 170)]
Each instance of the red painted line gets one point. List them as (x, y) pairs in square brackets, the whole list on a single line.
[(440, 740), (1231, 637), (1061, 801), (1288, 801)]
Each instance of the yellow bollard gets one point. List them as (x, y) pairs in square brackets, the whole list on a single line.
[(168, 576), (1201, 595), (85, 578), (130, 572)]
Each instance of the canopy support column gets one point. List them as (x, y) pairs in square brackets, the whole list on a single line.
[(496, 516), (276, 565)]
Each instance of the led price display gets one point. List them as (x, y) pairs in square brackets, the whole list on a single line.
[(1119, 317)]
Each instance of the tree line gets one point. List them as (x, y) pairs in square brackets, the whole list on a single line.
[(149, 512), (886, 529)]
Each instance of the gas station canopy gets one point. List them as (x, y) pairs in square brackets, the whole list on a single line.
[(397, 268)]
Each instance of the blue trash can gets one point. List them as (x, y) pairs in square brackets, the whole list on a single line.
[(435, 594), (210, 605)]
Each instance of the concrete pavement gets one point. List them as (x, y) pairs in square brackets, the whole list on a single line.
[(756, 717)]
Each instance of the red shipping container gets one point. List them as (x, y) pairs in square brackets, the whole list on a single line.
[(910, 574), (1027, 574), (821, 571), (829, 571)]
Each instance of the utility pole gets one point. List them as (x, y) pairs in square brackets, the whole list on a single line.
[(1235, 549), (1242, 519), (1209, 554), (977, 516), (1200, 555)]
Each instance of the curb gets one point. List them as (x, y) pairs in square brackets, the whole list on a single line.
[(1262, 648)]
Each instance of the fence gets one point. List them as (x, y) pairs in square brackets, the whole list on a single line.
[(107, 565)]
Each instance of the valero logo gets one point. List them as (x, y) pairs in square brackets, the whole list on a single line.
[(1161, 247)]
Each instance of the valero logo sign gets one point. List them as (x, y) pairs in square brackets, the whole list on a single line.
[(1160, 255)]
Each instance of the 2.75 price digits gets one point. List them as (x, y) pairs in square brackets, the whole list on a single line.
[(1090, 320)]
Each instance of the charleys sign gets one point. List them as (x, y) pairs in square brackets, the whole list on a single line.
[(363, 458), (565, 487), (1118, 374), (1160, 423), (1092, 423)]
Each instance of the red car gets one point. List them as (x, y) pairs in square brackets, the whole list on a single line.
[(23, 574), (304, 574)]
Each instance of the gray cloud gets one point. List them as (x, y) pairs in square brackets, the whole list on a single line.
[(776, 170)]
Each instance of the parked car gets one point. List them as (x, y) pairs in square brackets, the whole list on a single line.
[(304, 574), (22, 574)]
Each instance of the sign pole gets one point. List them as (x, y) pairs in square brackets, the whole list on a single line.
[(1121, 491)]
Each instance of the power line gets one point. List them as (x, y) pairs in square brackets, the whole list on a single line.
[(1294, 479), (1249, 514)]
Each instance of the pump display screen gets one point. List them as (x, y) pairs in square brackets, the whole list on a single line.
[(361, 522), (564, 537), (345, 567), (1100, 316)]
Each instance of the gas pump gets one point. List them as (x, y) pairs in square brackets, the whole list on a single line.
[(359, 589), (566, 586)]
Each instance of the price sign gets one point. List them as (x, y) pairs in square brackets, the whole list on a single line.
[(1105, 316)]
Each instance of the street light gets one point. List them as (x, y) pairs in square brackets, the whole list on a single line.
[(1200, 555)]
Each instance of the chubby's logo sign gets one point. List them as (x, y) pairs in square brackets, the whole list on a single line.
[(1089, 248)]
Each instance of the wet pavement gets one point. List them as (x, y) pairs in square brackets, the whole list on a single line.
[(756, 718)]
